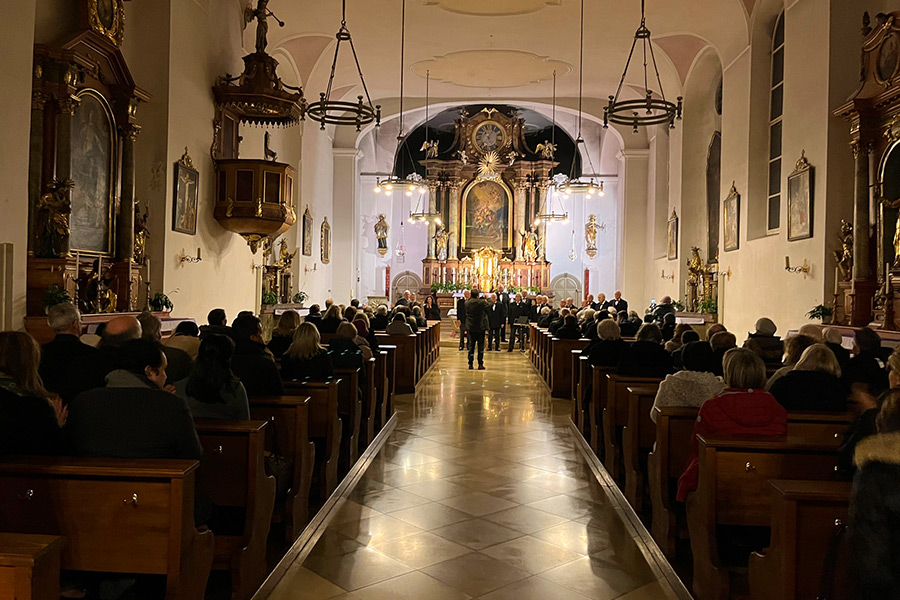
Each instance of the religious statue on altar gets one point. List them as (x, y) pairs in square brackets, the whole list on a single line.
[(440, 243), (381, 234), (699, 280), (52, 220), (844, 256), (285, 258), (141, 234), (530, 244)]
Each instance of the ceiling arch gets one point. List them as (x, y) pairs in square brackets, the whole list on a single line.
[(492, 8)]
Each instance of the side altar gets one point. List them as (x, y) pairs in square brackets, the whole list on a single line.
[(487, 188)]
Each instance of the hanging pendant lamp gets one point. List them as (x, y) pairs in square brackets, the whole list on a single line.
[(420, 214), (646, 111), (337, 112)]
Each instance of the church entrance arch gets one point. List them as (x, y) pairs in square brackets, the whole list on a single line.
[(407, 280), (566, 286)]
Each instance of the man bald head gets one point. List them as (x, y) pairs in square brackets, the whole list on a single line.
[(120, 330)]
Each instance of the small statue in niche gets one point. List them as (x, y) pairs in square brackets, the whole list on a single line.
[(530, 243), (285, 258), (440, 243), (430, 148), (844, 256), (268, 152), (260, 13), (464, 157), (511, 157), (141, 233), (546, 150), (52, 220), (381, 233), (590, 236)]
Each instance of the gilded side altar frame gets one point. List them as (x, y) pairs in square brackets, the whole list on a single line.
[(510, 212)]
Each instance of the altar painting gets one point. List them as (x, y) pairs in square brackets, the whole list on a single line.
[(93, 173), (486, 210)]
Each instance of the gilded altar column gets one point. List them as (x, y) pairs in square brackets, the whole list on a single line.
[(861, 212), (521, 188), (67, 107), (453, 246), (125, 224), (433, 189), (36, 176)]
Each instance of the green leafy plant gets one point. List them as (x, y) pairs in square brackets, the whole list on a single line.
[(269, 298), (161, 303), (709, 307), (678, 305), (300, 297), (821, 312), (54, 295)]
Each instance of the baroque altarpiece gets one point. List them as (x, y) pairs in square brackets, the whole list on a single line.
[(487, 188)]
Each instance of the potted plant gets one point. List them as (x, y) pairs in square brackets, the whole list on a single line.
[(821, 312), (678, 305), (54, 295), (269, 298), (300, 297), (161, 303), (709, 307)]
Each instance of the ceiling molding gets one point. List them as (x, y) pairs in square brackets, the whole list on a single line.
[(682, 50), (491, 68), (492, 8)]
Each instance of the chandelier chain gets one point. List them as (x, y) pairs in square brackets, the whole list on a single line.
[(581, 69), (402, 55)]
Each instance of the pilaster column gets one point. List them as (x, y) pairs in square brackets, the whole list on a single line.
[(67, 107), (540, 191), (861, 270), (434, 188), (35, 167), (125, 224), (453, 212), (521, 188)]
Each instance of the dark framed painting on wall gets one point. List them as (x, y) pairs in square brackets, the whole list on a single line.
[(672, 237), (307, 233), (732, 220), (326, 242), (184, 199), (800, 200)]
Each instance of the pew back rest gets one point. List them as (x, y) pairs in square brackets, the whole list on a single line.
[(734, 473), (323, 404), (232, 458), (117, 515), (674, 428), (287, 418), (617, 394)]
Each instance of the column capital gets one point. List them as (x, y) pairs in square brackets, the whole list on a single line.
[(68, 105), (39, 98), (130, 131), (861, 146)]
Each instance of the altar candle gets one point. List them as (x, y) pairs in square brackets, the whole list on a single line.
[(787, 262), (836, 280), (198, 252)]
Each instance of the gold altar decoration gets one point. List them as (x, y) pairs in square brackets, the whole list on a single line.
[(844, 256), (486, 273), (700, 281), (590, 236)]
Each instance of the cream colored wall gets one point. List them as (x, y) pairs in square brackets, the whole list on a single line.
[(16, 46), (316, 191)]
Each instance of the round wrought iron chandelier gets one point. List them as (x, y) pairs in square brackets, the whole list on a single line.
[(338, 112), (573, 184), (547, 213), (647, 111)]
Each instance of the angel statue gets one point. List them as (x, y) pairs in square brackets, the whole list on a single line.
[(51, 219), (590, 236), (530, 244), (285, 258), (464, 157), (546, 150), (260, 13), (844, 256), (440, 243), (381, 233), (430, 148)]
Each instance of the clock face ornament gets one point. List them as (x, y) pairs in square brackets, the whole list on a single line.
[(489, 136)]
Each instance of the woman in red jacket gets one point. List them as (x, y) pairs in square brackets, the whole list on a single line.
[(744, 408)]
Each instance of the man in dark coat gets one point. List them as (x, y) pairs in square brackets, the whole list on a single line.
[(252, 362), (517, 309), (89, 372), (461, 317), (495, 320), (617, 303), (476, 324), (65, 348), (217, 324), (503, 299)]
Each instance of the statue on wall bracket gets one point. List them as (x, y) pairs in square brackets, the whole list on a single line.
[(381, 233), (590, 236)]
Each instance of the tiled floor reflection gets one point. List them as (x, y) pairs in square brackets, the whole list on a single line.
[(480, 492)]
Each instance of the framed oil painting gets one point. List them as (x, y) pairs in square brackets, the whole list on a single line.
[(486, 208), (732, 220), (326, 242), (307, 233), (187, 180), (800, 200), (672, 237), (94, 174)]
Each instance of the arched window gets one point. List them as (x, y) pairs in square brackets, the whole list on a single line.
[(713, 189), (776, 110)]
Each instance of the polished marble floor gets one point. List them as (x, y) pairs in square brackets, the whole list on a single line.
[(479, 492)]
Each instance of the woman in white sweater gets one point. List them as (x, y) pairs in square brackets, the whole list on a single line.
[(693, 385)]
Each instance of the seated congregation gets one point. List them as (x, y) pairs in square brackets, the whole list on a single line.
[(251, 436), (746, 463)]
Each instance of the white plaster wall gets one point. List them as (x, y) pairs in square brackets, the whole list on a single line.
[(16, 48), (316, 191)]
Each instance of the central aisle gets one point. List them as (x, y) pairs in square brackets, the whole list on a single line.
[(480, 492)]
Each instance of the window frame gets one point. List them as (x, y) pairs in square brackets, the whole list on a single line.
[(775, 124)]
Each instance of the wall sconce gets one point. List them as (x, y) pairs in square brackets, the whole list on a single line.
[(670, 277), (804, 268), (308, 270), (183, 258), (726, 274)]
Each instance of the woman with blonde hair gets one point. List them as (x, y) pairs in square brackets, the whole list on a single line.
[(346, 353), (283, 334), (306, 358), (30, 421), (332, 319), (814, 383)]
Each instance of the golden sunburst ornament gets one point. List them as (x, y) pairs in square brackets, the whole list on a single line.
[(487, 168)]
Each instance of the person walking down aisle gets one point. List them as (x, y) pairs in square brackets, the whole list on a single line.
[(461, 317), (476, 324)]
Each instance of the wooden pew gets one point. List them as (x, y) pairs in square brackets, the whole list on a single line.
[(324, 430), (560, 367), (638, 438), (116, 515), (288, 436), (733, 489), (597, 404), (404, 360), (579, 372), (29, 566), (615, 416), (804, 515), (665, 464), (369, 406), (350, 410), (232, 475), (391, 372)]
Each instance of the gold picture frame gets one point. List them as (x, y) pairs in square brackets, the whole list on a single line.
[(107, 17), (307, 233), (326, 242), (503, 214), (800, 200), (185, 195), (672, 237), (732, 220)]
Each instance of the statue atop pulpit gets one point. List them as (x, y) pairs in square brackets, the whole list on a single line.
[(261, 14)]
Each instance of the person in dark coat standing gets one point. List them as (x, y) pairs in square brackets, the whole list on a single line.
[(503, 299), (517, 309), (875, 507), (461, 317), (476, 324), (495, 321), (56, 355)]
